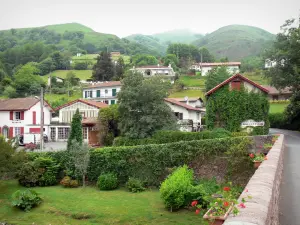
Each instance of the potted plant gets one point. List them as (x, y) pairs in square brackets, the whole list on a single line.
[(268, 146), (220, 207), (257, 159)]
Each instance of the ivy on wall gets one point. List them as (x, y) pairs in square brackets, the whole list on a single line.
[(228, 109)]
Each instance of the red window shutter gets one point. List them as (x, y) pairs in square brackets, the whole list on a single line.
[(0, 130), (34, 117), (11, 132), (22, 130), (236, 85), (22, 115), (11, 115)]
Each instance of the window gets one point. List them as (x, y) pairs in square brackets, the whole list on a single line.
[(63, 132), (88, 94), (98, 93), (17, 115), (106, 102), (84, 133), (17, 131), (52, 133), (114, 92), (112, 102), (179, 115)]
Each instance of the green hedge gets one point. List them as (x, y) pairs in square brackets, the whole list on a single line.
[(162, 137), (277, 120), (150, 163)]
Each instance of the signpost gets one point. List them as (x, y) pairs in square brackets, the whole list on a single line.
[(252, 123)]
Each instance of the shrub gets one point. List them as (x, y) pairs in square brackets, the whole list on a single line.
[(26, 200), (28, 175), (107, 181), (175, 189), (220, 133), (277, 120), (135, 185), (80, 66), (69, 182)]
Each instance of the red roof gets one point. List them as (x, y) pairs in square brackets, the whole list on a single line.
[(219, 64), (232, 78), (21, 104), (275, 91), (106, 84), (90, 120), (186, 106), (98, 105)]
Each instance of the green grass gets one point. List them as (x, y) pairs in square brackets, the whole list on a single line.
[(257, 78), (55, 97), (189, 93), (81, 74), (193, 81), (125, 57), (104, 207), (277, 107)]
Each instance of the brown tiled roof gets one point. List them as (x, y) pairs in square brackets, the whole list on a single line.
[(275, 91), (21, 104), (90, 120), (232, 78), (219, 64), (188, 107), (105, 84), (98, 105)]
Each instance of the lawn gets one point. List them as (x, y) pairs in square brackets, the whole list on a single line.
[(61, 205), (81, 74), (189, 93), (257, 78), (193, 81), (277, 107)]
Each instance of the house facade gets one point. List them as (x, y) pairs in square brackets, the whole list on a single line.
[(105, 92), (23, 115), (204, 68), (89, 109), (189, 117), (149, 71)]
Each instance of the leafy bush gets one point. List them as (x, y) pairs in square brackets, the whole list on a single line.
[(220, 133), (28, 175), (69, 182), (107, 181), (175, 189), (135, 185), (80, 66), (277, 120), (26, 200)]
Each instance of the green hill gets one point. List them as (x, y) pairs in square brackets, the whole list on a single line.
[(61, 28), (236, 41), (180, 35)]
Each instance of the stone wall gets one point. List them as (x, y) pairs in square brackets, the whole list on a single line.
[(264, 187)]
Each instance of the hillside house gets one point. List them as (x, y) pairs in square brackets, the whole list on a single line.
[(58, 80), (189, 117), (23, 115), (275, 94), (89, 109), (105, 92), (194, 102), (148, 71), (115, 54), (204, 68)]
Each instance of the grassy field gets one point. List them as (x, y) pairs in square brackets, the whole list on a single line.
[(189, 93), (62, 205), (193, 81), (55, 97), (257, 78), (81, 74), (277, 107)]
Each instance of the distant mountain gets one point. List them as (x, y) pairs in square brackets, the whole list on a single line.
[(236, 41), (61, 28), (181, 35)]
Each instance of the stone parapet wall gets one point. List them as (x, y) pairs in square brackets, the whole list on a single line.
[(264, 187)]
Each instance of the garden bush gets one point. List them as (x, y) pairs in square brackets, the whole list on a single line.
[(277, 120), (28, 175), (107, 181), (69, 182), (176, 188), (135, 185), (26, 200)]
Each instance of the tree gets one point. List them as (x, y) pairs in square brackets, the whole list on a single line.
[(103, 70), (10, 92), (108, 124), (46, 66), (120, 69), (76, 129), (215, 77), (81, 66), (206, 56), (142, 108), (27, 81), (71, 79), (171, 59), (80, 155), (143, 60)]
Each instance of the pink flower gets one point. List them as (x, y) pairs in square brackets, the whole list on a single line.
[(242, 205), (194, 203), (246, 190), (197, 211)]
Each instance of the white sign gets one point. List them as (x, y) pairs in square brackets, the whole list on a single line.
[(252, 123)]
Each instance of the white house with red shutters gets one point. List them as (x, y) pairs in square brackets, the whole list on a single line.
[(23, 115)]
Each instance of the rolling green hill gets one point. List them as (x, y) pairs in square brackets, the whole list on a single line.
[(61, 28), (236, 41), (181, 35)]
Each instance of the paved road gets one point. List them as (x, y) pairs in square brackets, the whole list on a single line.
[(290, 187)]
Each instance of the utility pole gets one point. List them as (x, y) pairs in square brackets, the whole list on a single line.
[(42, 120), (201, 63)]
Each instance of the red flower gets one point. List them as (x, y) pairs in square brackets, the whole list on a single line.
[(251, 155), (226, 204), (242, 205), (197, 211), (226, 188), (194, 203)]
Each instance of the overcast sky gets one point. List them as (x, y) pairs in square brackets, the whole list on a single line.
[(125, 17)]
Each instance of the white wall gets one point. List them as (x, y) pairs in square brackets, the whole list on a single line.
[(249, 87), (187, 114), (206, 69), (103, 96)]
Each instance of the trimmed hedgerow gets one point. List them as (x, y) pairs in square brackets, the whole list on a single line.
[(228, 109), (162, 137), (150, 163)]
